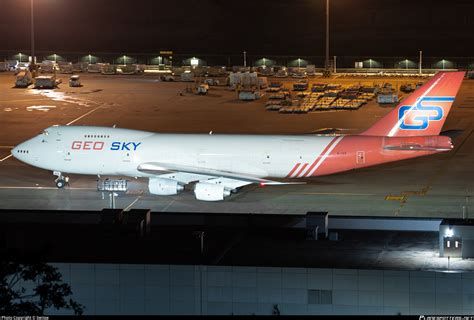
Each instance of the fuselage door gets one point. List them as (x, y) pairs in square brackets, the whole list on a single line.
[(360, 157)]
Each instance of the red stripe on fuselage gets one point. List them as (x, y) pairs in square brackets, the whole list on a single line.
[(293, 170), (301, 170), (320, 156)]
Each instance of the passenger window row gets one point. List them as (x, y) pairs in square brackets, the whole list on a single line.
[(96, 136)]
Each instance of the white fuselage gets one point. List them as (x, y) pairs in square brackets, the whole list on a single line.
[(114, 151)]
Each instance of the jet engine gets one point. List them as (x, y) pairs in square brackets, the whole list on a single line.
[(210, 191), (164, 187)]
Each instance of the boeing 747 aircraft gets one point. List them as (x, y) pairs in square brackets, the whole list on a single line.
[(221, 164)]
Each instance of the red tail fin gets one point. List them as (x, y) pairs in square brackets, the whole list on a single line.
[(423, 113)]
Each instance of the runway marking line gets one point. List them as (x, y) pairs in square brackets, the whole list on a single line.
[(84, 115), (169, 205), (131, 204), (1, 160), (335, 193), (44, 188), (22, 100)]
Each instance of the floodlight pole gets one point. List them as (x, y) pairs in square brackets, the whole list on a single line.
[(326, 63), (33, 60), (245, 58)]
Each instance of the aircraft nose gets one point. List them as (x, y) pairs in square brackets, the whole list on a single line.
[(15, 151), (20, 151)]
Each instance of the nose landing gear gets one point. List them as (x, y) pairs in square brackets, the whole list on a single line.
[(60, 181)]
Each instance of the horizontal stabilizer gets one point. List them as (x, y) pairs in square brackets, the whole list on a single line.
[(417, 147)]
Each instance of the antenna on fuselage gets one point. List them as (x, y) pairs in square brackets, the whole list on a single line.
[(210, 132)]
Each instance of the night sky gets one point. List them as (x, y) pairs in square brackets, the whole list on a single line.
[(358, 27)]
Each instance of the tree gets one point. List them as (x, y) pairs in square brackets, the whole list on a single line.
[(48, 290)]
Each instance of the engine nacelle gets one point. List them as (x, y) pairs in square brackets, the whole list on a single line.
[(210, 191), (164, 187)]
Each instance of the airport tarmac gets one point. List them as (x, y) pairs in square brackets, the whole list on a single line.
[(434, 186)]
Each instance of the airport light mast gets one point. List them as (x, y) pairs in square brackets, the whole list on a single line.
[(326, 63), (33, 58)]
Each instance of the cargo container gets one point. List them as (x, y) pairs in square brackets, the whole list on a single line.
[(249, 95), (45, 82), (301, 85), (4, 67), (281, 74), (79, 67), (187, 76), (129, 69), (109, 69), (263, 82), (23, 79), (387, 96), (311, 70), (47, 66), (407, 88), (94, 68), (65, 68)]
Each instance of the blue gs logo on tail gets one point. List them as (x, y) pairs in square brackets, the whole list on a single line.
[(419, 115)]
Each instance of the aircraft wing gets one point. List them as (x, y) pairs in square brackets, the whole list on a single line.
[(331, 131), (186, 174)]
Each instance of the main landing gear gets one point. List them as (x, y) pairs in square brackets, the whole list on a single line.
[(60, 181)]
